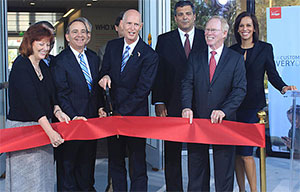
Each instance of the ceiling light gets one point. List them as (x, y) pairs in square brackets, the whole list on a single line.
[(32, 3), (95, 0), (223, 2), (69, 12), (88, 4)]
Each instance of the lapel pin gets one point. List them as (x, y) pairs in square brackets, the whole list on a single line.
[(139, 54)]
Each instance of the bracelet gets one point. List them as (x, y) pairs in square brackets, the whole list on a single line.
[(56, 111), (282, 92)]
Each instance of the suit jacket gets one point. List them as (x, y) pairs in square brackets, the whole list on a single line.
[(225, 92), (261, 60), (130, 89), (73, 94), (172, 64)]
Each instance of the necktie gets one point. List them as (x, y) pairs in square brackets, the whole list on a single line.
[(47, 61), (187, 46), (85, 71), (212, 65), (125, 58)]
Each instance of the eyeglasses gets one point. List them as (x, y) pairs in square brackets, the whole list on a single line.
[(212, 30)]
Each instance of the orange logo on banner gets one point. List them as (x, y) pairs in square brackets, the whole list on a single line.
[(275, 13)]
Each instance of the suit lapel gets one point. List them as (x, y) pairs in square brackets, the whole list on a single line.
[(221, 64), (117, 59), (176, 40), (119, 54), (75, 67), (133, 58), (91, 64), (204, 64), (257, 49)]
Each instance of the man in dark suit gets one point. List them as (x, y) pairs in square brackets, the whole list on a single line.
[(129, 69), (213, 87), (76, 73), (173, 48)]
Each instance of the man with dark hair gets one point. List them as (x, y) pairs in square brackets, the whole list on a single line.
[(173, 49), (75, 73), (89, 27)]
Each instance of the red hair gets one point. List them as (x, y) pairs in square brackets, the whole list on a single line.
[(34, 33)]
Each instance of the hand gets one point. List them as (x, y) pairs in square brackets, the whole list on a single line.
[(55, 138), (62, 117), (105, 80), (217, 116), (101, 112), (161, 110), (188, 113), (290, 87), (80, 118)]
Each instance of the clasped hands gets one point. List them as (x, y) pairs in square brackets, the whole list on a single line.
[(215, 117)]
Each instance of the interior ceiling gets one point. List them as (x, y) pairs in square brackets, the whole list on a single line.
[(64, 5)]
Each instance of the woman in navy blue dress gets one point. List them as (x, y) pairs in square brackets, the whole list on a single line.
[(259, 59)]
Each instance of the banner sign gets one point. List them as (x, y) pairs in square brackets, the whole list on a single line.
[(283, 28)]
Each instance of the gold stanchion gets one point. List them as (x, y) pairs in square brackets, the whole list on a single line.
[(262, 159)]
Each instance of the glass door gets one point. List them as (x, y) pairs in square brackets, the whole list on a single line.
[(3, 74), (156, 19)]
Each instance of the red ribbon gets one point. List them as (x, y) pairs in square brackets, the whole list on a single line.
[(165, 128)]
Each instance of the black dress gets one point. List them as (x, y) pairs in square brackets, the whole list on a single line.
[(29, 100)]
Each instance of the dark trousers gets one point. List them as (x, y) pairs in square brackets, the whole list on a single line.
[(75, 161), (173, 170), (137, 163), (199, 167)]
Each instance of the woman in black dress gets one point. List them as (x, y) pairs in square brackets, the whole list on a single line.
[(259, 59), (32, 102)]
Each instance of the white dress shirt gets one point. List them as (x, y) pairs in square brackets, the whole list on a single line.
[(217, 55), (183, 38), (76, 53)]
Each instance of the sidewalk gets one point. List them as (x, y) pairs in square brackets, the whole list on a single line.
[(277, 176)]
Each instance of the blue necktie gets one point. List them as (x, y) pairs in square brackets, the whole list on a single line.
[(85, 71), (47, 61), (125, 58)]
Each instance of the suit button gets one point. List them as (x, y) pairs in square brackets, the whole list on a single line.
[(209, 91)]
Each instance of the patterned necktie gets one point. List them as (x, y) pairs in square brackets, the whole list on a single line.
[(85, 71), (125, 58), (212, 65), (187, 46)]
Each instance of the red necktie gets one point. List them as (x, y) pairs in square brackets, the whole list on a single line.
[(187, 46), (212, 65)]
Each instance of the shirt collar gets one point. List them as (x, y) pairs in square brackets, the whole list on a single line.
[(191, 32), (76, 53), (219, 50), (132, 45)]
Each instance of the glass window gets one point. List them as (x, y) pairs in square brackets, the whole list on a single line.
[(19, 21)]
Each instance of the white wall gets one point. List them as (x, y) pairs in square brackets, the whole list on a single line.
[(103, 20)]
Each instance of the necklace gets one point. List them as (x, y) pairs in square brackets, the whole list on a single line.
[(38, 71)]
